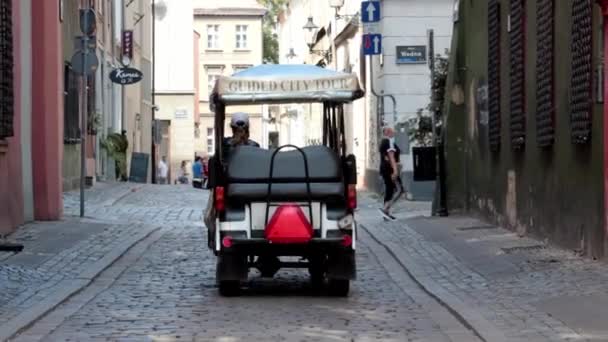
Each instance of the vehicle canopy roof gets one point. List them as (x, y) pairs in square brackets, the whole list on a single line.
[(285, 83)]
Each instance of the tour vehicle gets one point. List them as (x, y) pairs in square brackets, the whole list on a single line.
[(290, 206)]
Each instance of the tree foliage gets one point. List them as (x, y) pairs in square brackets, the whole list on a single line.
[(271, 43)]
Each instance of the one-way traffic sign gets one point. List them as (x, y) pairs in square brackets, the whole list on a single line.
[(372, 44), (370, 11)]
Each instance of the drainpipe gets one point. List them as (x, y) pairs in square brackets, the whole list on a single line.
[(382, 96), (604, 5)]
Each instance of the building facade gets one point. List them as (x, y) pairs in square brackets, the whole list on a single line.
[(525, 145), (175, 91), (31, 112), (230, 41), (112, 108)]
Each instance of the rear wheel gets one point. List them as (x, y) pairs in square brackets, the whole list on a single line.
[(230, 288), (338, 287)]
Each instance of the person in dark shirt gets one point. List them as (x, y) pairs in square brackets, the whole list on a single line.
[(389, 170), (239, 123)]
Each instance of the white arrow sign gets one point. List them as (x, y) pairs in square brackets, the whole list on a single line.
[(376, 44), (371, 9)]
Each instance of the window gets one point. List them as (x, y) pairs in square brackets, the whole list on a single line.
[(212, 75), (494, 74), (6, 70), (210, 140), (545, 104), (71, 131), (239, 68), (582, 74), (241, 36), (212, 79), (517, 39), (213, 36)]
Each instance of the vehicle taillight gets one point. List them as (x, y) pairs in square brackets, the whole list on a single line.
[(227, 241), (289, 225), (219, 200), (347, 240), (352, 196)]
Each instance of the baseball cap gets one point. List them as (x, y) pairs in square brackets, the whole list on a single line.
[(239, 120)]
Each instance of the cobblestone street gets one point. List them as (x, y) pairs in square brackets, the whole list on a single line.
[(138, 269)]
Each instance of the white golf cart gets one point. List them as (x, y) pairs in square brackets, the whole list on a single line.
[(287, 202)]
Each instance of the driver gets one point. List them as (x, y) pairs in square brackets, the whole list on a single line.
[(239, 123)]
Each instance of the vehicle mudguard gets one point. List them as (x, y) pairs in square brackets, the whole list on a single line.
[(342, 266), (231, 267)]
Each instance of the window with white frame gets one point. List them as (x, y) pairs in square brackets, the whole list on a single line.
[(241, 36), (210, 140), (239, 68), (213, 36), (212, 75)]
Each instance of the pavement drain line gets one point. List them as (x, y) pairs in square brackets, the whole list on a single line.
[(67, 289), (114, 201), (481, 327), (477, 228)]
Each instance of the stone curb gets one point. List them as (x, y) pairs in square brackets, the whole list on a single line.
[(465, 313), (69, 287)]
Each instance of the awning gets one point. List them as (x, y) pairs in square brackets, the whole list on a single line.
[(286, 83)]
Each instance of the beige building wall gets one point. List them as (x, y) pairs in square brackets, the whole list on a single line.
[(221, 53), (174, 81), (138, 97)]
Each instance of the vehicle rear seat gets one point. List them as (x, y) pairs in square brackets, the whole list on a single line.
[(249, 170)]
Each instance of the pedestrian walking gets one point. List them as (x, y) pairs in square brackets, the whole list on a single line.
[(390, 169), (163, 171)]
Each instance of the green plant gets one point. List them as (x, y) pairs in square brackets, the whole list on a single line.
[(421, 127), (116, 147), (271, 44)]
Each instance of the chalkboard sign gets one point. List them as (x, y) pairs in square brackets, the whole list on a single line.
[(139, 167)]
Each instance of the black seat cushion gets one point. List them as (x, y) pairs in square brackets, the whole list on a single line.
[(252, 165), (252, 192), (249, 170)]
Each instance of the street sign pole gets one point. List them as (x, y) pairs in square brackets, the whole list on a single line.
[(84, 63), (83, 128)]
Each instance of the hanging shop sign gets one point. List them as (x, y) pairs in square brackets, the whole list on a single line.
[(126, 76)]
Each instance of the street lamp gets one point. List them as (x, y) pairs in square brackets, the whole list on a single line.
[(291, 54), (310, 33), (336, 5), (310, 36)]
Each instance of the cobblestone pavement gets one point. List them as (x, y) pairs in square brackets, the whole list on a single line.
[(529, 291), (60, 256), (164, 289)]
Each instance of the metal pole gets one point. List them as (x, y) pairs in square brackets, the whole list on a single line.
[(440, 208), (154, 126), (84, 115), (334, 34)]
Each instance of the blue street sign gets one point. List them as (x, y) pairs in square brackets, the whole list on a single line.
[(372, 44), (370, 11)]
